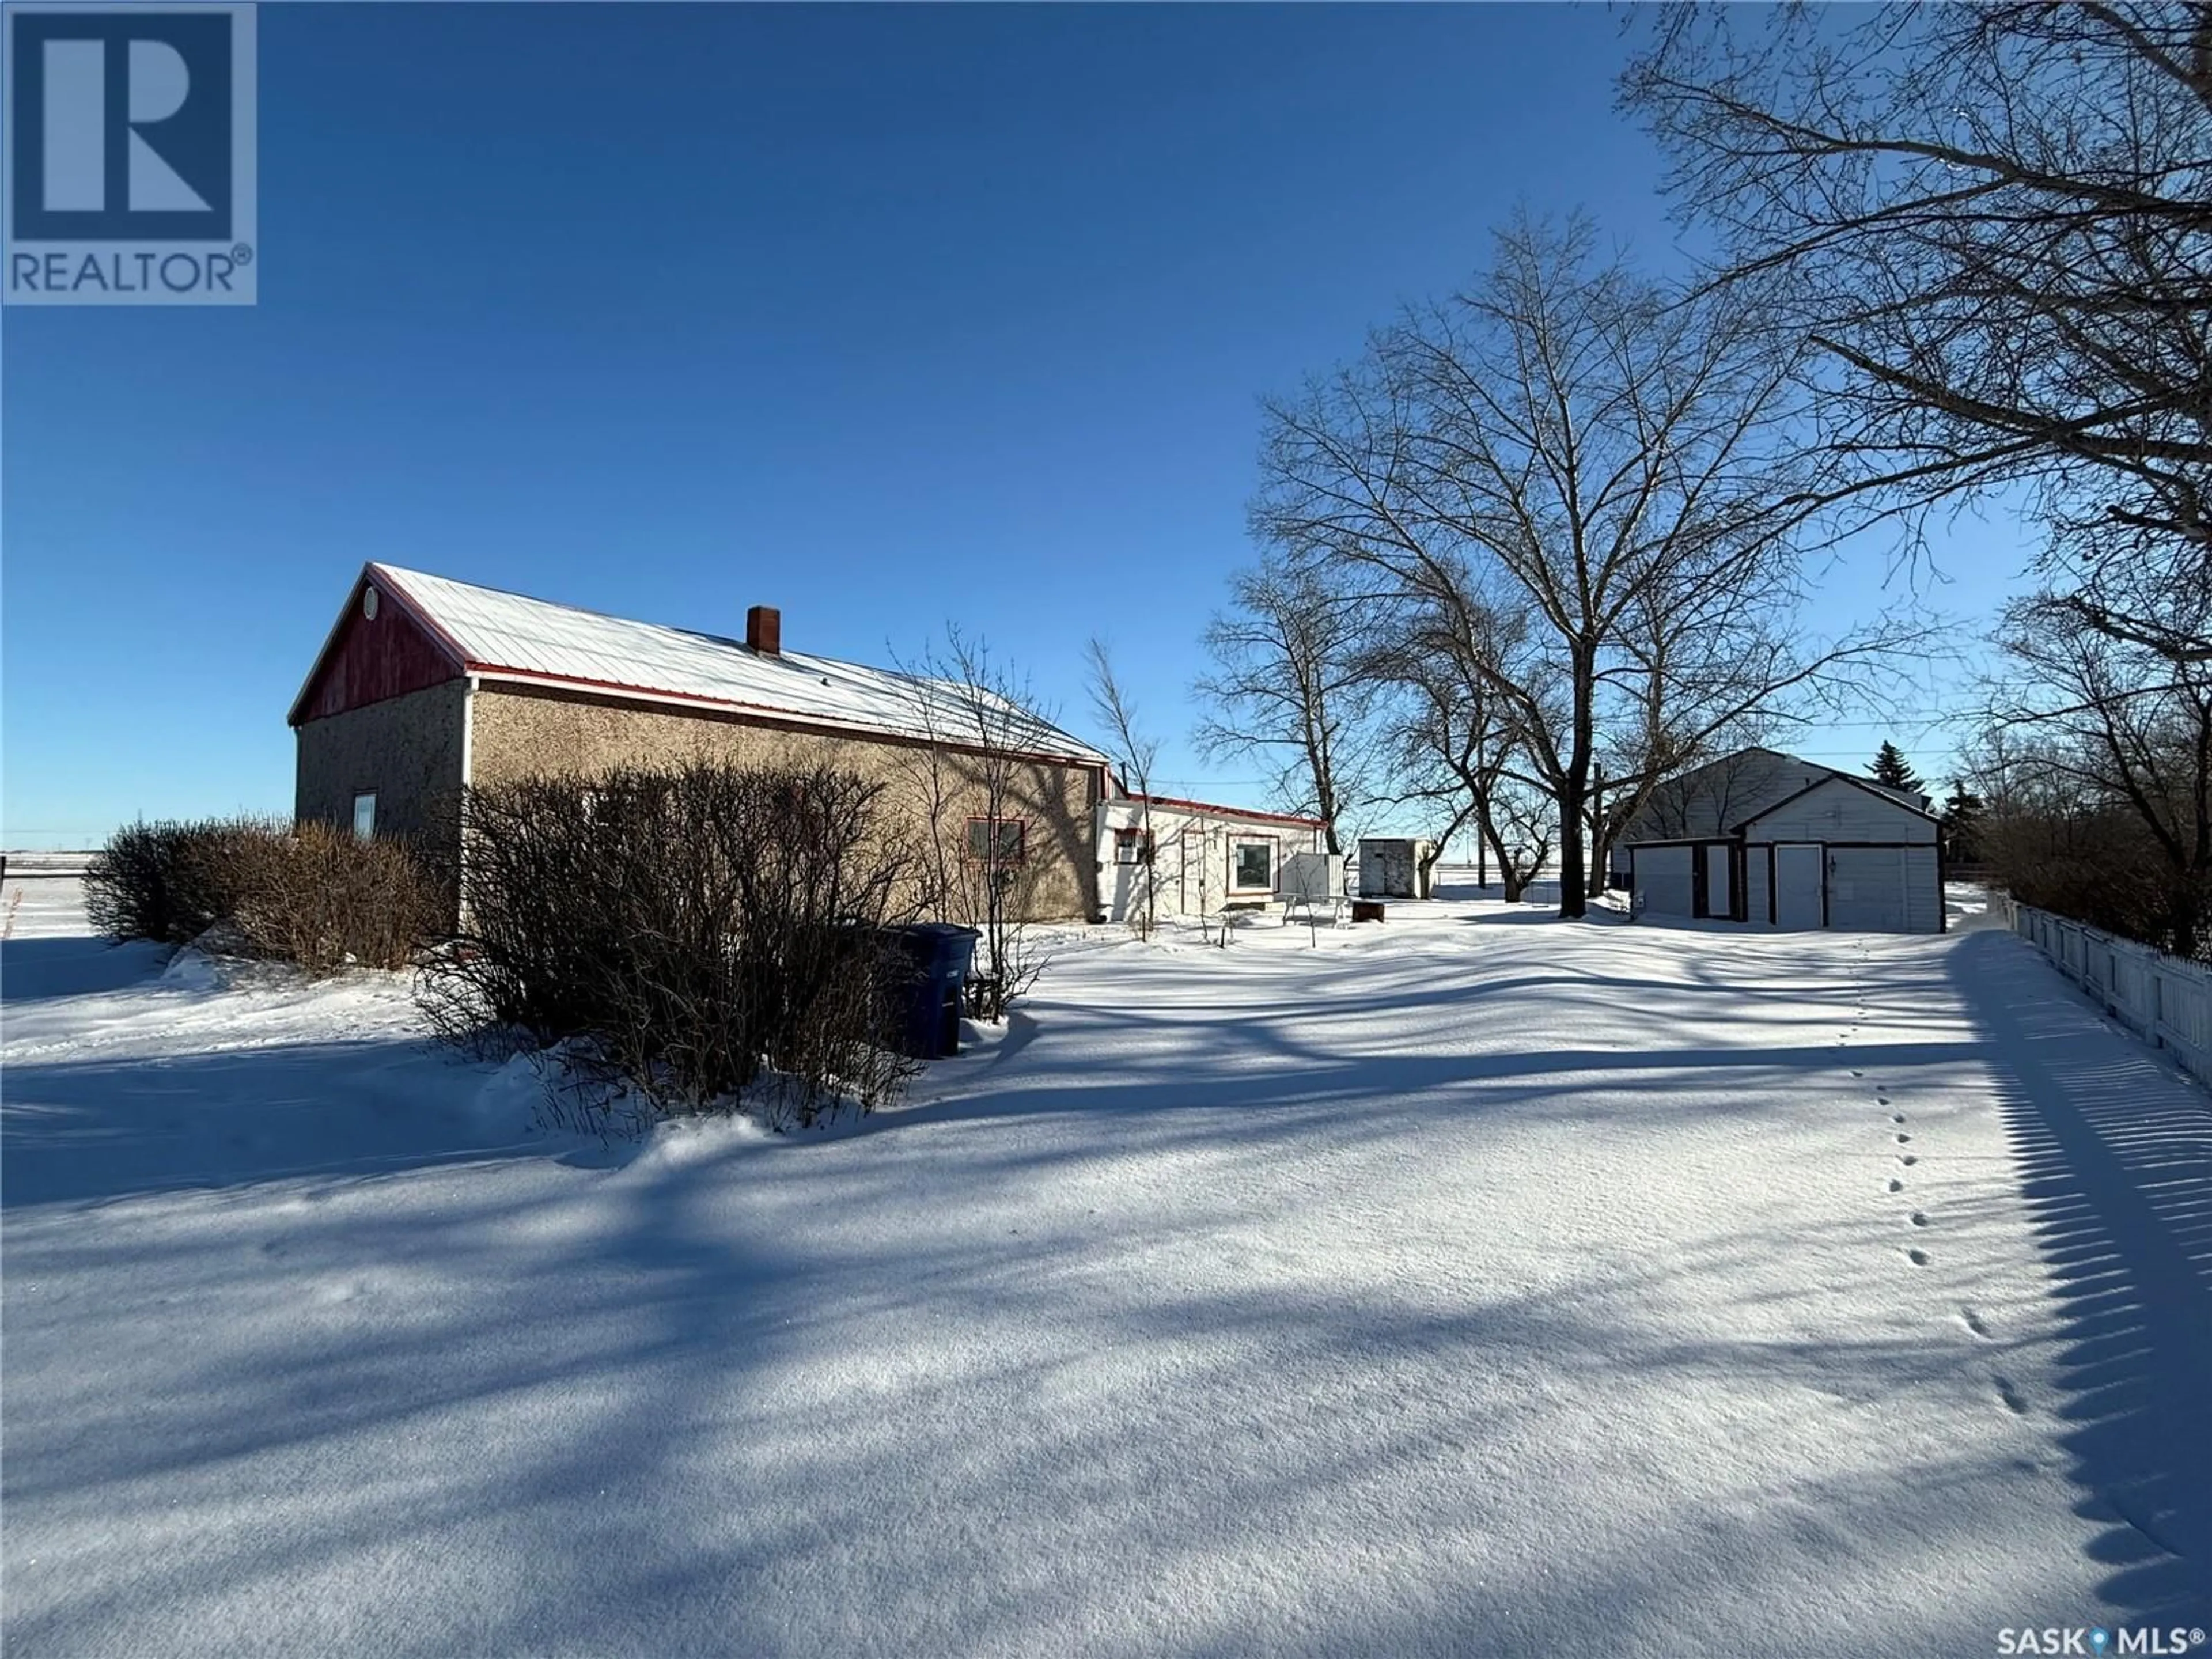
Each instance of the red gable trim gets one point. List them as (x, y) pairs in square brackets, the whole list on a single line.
[(420, 613), (348, 621), (1233, 811)]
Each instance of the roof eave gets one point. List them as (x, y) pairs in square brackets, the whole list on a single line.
[(494, 674), (1232, 811)]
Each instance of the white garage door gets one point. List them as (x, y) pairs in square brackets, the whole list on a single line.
[(1663, 874), (1798, 869), (1866, 888)]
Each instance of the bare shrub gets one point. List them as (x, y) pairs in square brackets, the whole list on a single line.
[(169, 881), (324, 899), (700, 938), (314, 895)]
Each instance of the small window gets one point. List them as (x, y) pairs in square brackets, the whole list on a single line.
[(997, 841), (1133, 846), (1252, 866), (364, 815)]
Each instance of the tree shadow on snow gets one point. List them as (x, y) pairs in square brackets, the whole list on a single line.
[(88, 1130), (669, 1410), (39, 970), (677, 1397), (2115, 1154)]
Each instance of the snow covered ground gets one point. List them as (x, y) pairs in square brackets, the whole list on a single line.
[(1472, 1284)]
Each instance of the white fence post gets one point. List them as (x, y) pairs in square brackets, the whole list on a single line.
[(2166, 1001)]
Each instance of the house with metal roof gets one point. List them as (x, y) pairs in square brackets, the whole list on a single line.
[(1774, 840), (425, 686)]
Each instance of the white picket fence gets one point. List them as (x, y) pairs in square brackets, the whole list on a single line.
[(2166, 1001)]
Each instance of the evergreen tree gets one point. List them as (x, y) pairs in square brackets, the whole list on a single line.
[(1960, 825), (1893, 771)]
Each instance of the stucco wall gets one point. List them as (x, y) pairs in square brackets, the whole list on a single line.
[(521, 731), (408, 749)]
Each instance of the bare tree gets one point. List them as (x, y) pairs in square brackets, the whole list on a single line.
[(2097, 763), (980, 789), (1136, 753), (1455, 743), (1291, 687), (1993, 223), (1569, 443)]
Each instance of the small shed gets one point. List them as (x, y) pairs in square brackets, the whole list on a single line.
[(1838, 852), (1391, 868)]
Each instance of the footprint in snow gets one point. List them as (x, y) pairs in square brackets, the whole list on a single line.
[(1919, 1219), (2015, 1401), (1903, 1140), (1917, 1258), (1858, 1074), (1908, 1160), (1897, 1117), (1975, 1322), (1895, 1185)]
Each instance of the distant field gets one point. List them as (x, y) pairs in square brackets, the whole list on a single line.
[(42, 896)]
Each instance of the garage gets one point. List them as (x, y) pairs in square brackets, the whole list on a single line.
[(1837, 853), (1846, 856)]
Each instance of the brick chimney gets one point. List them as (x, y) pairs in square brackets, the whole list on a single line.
[(764, 630)]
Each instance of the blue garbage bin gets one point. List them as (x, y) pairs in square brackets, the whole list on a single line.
[(935, 956)]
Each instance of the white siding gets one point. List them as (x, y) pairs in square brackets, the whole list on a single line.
[(1662, 874), (1712, 799), (1866, 888), (1800, 885), (1194, 852), (1754, 883), (1923, 893), (1720, 896), (1838, 810)]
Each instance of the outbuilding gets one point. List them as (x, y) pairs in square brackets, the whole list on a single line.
[(1395, 868), (1196, 858), (1771, 839)]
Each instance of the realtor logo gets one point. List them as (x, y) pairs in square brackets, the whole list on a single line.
[(131, 154)]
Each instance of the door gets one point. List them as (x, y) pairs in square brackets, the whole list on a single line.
[(1866, 888), (1800, 877), (1720, 896), (1665, 878)]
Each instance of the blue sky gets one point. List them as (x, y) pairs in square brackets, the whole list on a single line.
[(886, 317)]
